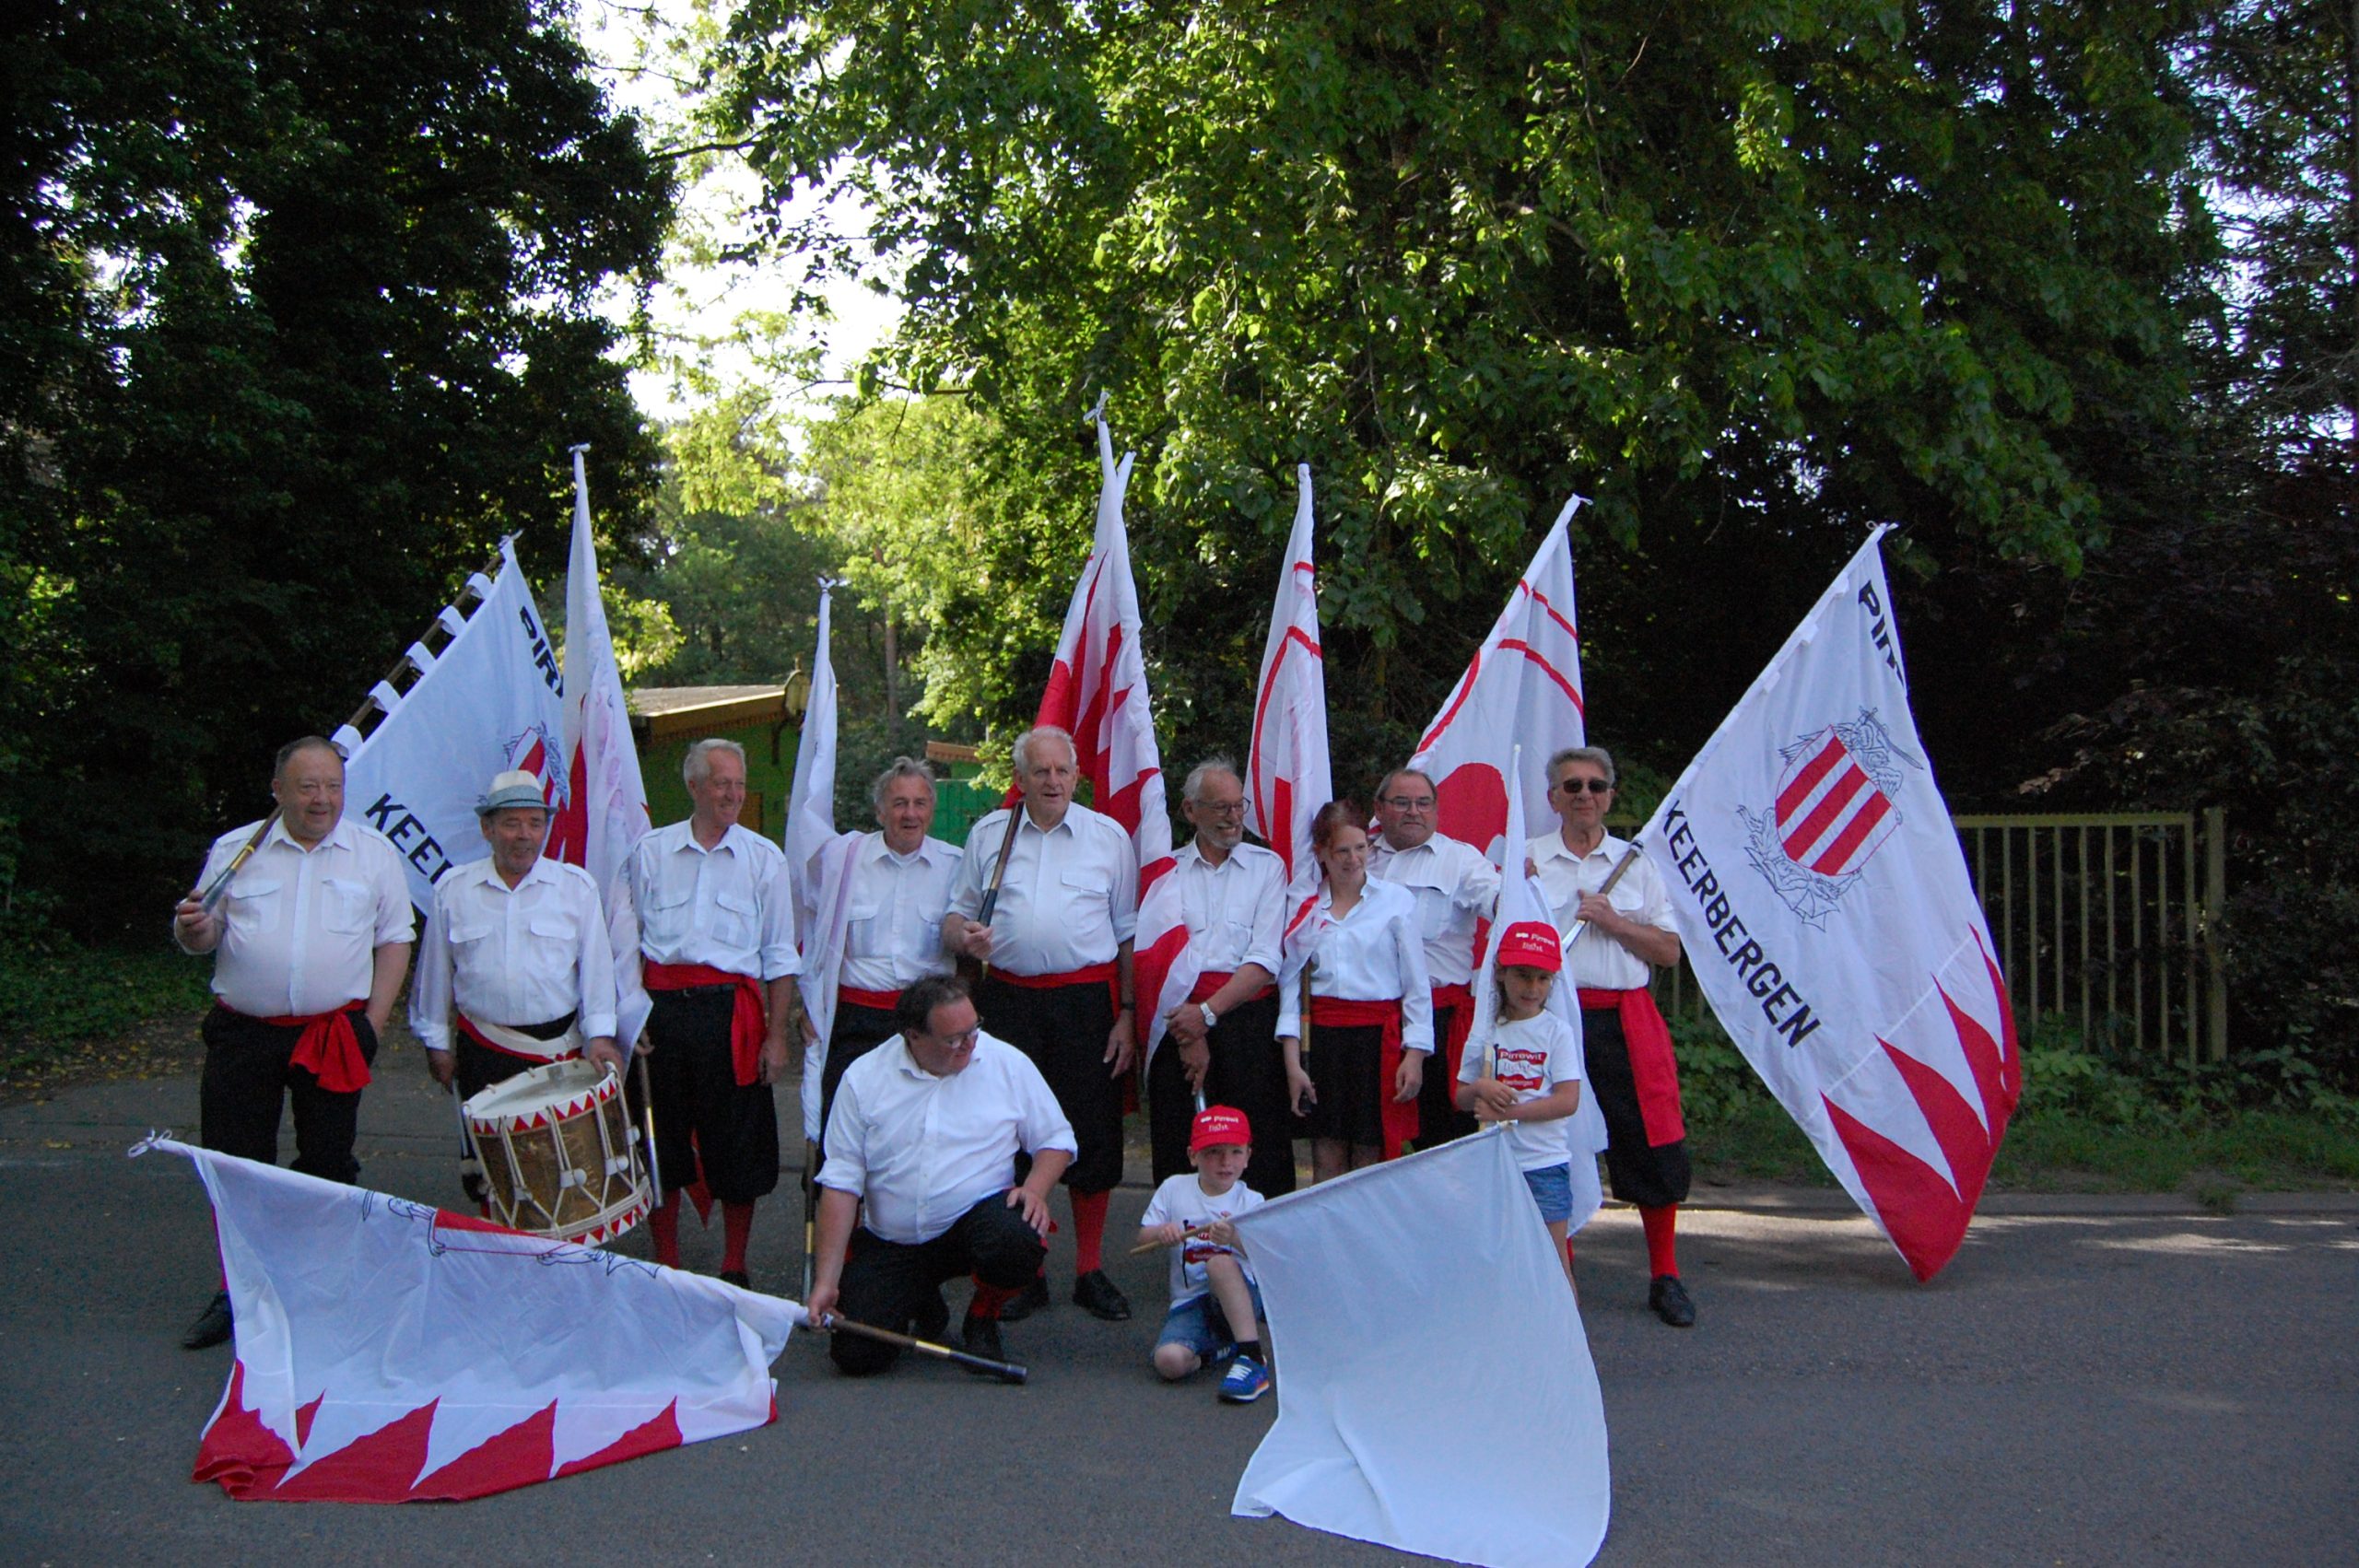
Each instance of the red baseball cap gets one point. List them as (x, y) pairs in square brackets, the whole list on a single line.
[(1530, 944), (1219, 1125)]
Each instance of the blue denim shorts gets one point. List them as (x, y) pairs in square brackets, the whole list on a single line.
[(1552, 1188), (1203, 1326)]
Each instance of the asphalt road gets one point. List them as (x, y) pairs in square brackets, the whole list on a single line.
[(2091, 1382)]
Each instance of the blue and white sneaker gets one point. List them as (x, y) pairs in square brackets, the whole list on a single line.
[(1246, 1381)]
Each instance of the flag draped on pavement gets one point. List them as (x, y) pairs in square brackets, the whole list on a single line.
[(1826, 908), (1097, 693), (488, 702), (393, 1352), (1520, 900), (1435, 1393), (1523, 685), (1287, 773), (604, 809)]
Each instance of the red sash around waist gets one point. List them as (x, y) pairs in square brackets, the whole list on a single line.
[(327, 1046), (1108, 973), (1653, 1069), (747, 1021), (883, 1001), (1459, 999), (467, 1027), (1334, 1011), (1211, 980)]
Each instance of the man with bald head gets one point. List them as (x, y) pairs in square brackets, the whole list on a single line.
[(1058, 984), (1221, 1043), (311, 940)]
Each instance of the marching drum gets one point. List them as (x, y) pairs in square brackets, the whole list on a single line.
[(558, 1159)]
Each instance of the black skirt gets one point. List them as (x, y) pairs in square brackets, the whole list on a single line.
[(1346, 1069)]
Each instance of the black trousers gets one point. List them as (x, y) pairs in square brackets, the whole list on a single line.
[(891, 1284), (1247, 1073), (1063, 1030), (857, 1031), (1649, 1176), (248, 1078), (706, 1122), (1438, 1118)]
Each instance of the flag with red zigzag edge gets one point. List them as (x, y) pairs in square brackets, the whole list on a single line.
[(391, 1353), (1824, 901)]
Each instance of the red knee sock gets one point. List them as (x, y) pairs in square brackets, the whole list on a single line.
[(1088, 1231), (1662, 1255), (737, 1225), (988, 1300), (664, 1224)]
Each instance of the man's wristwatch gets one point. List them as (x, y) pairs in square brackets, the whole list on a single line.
[(1210, 1018)]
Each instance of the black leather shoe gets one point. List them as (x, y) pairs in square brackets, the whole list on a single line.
[(1025, 1301), (212, 1326), (1098, 1296), (737, 1277), (980, 1338), (1669, 1300), (933, 1316)]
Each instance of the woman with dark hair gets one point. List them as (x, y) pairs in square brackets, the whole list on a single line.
[(1370, 1010)]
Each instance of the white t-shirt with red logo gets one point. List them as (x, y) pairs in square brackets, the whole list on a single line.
[(1534, 1055), (1181, 1198)]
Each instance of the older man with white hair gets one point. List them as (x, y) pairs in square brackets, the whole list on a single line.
[(715, 916), (516, 954), (1222, 1043), (1057, 982)]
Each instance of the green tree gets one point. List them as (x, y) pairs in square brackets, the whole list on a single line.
[(300, 321)]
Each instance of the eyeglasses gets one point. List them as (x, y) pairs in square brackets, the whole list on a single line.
[(1594, 786), (1408, 802), (1220, 808)]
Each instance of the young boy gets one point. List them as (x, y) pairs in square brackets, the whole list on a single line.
[(1531, 1081), (1215, 1305)]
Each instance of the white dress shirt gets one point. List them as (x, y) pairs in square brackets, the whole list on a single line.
[(513, 956), (300, 928), (1236, 911), (1371, 954), (1597, 960), (729, 906), (919, 1150), (1532, 1056), (893, 930), (1455, 885), (1071, 896)]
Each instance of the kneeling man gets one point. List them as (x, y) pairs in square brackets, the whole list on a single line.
[(925, 1133)]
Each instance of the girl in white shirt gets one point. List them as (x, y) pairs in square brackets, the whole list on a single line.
[(1528, 1076), (1369, 1006)]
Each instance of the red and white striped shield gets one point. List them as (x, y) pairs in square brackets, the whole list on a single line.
[(1831, 816)]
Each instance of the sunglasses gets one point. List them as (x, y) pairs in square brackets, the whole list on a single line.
[(1594, 786)]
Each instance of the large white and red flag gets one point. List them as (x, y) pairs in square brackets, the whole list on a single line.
[(1525, 685), (1825, 908), (486, 703), (603, 810), (1485, 1443), (388, 1351), (1288, 774), (1097, 693)]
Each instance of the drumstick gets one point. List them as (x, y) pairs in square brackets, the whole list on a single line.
[(647, 1110), (1005, 1370), (810, 1208)]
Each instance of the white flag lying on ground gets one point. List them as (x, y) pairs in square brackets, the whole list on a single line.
[(393, 1352), (1825, 906), (1481, 1440)]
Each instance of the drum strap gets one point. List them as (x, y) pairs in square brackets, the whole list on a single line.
[(517, 1043)]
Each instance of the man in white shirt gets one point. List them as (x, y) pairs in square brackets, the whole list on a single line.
[(516, 948), (715, 917), (898, 890), (1056, 982), (1222, 1042), (1455, 885), (1624, 936), (311, 940), (925, 1135)]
